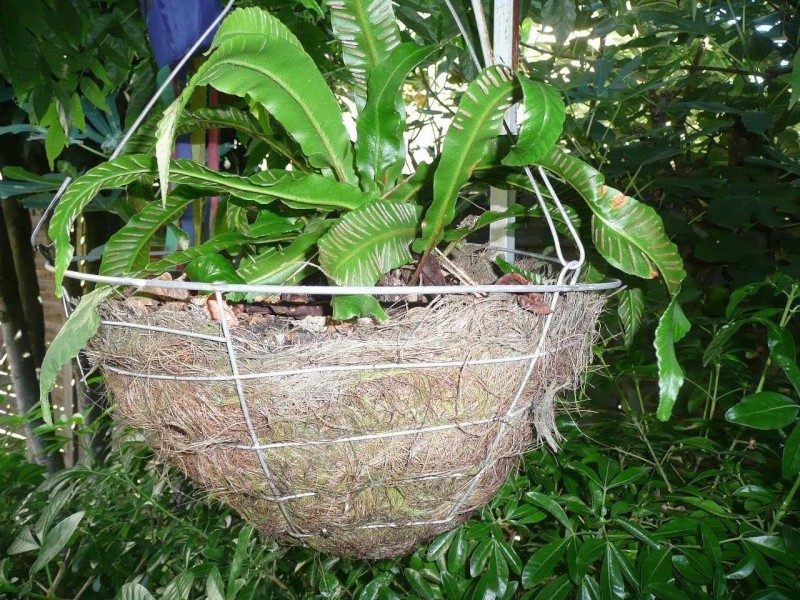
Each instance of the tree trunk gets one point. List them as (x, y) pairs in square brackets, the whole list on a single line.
[(21, 360), (19, 230)]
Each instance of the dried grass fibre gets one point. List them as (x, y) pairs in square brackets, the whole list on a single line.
[(392, 487)]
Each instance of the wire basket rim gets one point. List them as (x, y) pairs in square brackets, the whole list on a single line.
[(340, 290)]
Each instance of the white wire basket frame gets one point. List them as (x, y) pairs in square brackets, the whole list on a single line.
[(565, 282)]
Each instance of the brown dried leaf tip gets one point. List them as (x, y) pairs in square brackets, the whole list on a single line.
[(532, 302), (215, 313)]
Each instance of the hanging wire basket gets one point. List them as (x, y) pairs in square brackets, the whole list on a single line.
[(363, 440), (360, 439)]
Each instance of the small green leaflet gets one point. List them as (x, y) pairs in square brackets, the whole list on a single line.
[(791, 454), (212, 268), (219, 242), (76, 332), (353, 307), (672, 327), (542, 125), (630, 311), (795, 80), (479, 119), (288, 265), (507, 267)]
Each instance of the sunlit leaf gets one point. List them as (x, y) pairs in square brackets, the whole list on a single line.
[(629, 234), (478, 120), (368, 32), (541, 127), (368, 242), (764, 410), (671, 329), (70, 340)]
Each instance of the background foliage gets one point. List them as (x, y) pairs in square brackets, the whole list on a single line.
[(691, 108)]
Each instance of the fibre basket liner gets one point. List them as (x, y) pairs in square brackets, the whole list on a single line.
[(360, 452)]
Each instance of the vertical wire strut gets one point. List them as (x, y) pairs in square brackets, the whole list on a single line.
[(489, 461), (567, 266), (293, 529)]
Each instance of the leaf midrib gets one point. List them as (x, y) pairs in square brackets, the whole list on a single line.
[(655, 258), (363, 21), (453, 188), (371, 241), (337, 166)]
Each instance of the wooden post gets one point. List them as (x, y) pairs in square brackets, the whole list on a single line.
[(506, 52)]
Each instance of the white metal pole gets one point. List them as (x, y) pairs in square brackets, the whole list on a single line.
[(506, 52)]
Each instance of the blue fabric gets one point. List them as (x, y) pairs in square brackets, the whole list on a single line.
[(174, 26)]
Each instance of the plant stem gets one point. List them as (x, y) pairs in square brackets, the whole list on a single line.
[(714, 397), (785, 505), (787, 313), (652, 452)]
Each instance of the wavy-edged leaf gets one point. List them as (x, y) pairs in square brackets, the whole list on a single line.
[(315, 191), (128, 250), (380, 147), (218, 243), (541, 126), (252, 22), (368, 32), (368, 242), (296, 190), (288, 265), (281, 77), (630, 311), (115, 173), (629, 234), (672, 327), (478, 120), (286, 82), (212, 117), (70, 340)]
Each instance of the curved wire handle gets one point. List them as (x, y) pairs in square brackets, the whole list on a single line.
[(139, 120)]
